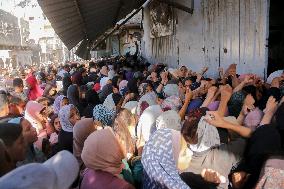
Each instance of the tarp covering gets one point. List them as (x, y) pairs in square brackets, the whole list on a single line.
[(77, 20)]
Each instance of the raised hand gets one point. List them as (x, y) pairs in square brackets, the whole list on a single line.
[(271, 105), (214, 118), (226, 92), (212, 176)]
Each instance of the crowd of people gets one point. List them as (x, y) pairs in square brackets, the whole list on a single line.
[(124, 124)]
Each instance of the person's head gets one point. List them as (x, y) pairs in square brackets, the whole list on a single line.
[(103, 151), (190, 126), (12, 136), (31, 82), (64, 102), (35, 110), (183, 71), (59, 102), (124, 128), (164, 75), (188, 82), (43, 101), (66, 68), (6, 164), (16, 106), (68, 116), (55, 123), (4, 108), (51, 75), (102, 116), (18, 85), (83, 72), (104, 70), (59, 171), (29, 133), (154, 76)]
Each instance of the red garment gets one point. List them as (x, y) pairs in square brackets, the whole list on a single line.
[(99, 179), (35, 90)]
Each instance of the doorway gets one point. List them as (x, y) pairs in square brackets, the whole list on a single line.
[(276, 36)]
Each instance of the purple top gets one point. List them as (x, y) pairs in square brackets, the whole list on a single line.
[(99, 179)]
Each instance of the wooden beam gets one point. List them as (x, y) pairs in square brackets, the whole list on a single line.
[(178, 5)]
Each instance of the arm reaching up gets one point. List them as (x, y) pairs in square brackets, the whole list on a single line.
[(214, 118)]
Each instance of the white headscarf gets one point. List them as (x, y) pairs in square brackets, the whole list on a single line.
[(169, 119), (147, 122), (208, 137), (64, 116)]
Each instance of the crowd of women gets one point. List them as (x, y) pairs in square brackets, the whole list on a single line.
[(120, 123)]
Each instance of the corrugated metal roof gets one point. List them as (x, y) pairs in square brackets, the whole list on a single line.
[(77, 20)]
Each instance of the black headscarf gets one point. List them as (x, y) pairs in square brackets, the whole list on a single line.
[(73, 95), (132, 86), (107, 90), (66, 82), (92, 99)]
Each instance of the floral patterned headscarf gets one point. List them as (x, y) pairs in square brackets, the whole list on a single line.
[(64, 116), (57, 103)]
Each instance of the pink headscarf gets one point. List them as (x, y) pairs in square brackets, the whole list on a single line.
[(102, 151), (31, 114), (35, 90), (81, 131)]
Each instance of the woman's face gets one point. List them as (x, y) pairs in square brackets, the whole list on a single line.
[(18, 149), (74, 116), (149, 89), (52, 91), (57, 124), (164, 75), (64, 102), (29, 133)]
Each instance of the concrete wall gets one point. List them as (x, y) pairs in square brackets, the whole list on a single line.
[(219, 33)]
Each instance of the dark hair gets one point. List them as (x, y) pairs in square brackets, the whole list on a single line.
[(3, 99), (10, 132), (189, 129), (18, 82), (16, 100)]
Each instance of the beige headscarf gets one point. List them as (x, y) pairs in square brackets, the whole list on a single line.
[(81, 131), (102, 151)]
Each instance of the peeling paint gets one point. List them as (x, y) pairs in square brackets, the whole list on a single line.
[(219, 33)]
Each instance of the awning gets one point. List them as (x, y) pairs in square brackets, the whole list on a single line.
[(85, 20)]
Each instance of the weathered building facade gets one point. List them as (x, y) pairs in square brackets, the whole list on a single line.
[(217, 34)]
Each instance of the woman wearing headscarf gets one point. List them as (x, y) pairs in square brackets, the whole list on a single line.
[(73, 95), (81, 131), (66, 82), (68, 116), (54, 129), (147, 122), (149, 99), (103, 154), (15, 146), (59, 102), (164, 156), (34, 89), (50, 91), (59, 172), (34, 114), (92, 99), (34, 144), (112, 101), (106, 90), (103, 115)]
